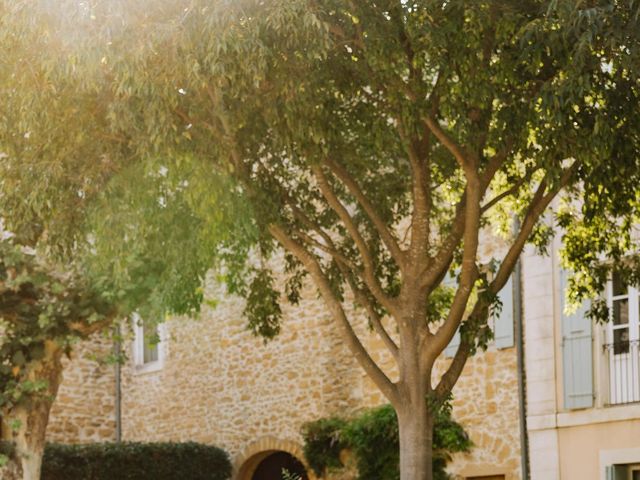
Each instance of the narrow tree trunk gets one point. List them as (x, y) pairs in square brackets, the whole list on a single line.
[(25, 425), (29, 438), (416, 442)]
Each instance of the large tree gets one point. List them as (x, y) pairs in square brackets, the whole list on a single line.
[(372, 142)]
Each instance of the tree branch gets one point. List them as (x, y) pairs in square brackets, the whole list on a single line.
[(494, 164), (375, 319), (348, 269), (449, 143), (440, 264), (355, 190), (508, 192), (478, 317), (450, 377), (421, 193), (468, 270), (369, 276), (538, 205), (388, 388)]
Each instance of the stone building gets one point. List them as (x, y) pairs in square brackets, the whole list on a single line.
[(211, 381)]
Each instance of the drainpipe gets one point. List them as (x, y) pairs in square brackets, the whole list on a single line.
[(522, 378), (117, 350)]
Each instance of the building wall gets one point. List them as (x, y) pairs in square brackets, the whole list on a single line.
[(586, 449), (568, 444), (486, 404), (219, 384), (540, 333), (84, 409)]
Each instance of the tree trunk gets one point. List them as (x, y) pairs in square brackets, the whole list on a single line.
[(25, 425), (416, 442)]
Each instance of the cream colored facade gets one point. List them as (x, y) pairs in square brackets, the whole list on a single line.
[(572, 443)]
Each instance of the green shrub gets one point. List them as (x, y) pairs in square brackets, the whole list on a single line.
[(323, 443), (373, 438), (135, 461), (7, 451)]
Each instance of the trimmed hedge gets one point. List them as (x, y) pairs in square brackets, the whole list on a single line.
[(135, 461)]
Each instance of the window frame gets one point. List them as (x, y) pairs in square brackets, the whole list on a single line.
[(138, 347), (617, 360)]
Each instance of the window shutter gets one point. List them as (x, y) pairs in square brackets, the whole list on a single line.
[(450, 351), (503, 323), (577, 354), (616, 472)]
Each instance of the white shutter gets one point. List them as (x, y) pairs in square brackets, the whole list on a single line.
[(450, 351), (503, 323)]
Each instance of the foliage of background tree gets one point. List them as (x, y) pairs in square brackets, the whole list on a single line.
[(372, 438), (372, 142), (44, 311)]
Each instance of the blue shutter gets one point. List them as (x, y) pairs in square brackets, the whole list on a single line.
[(450, 351), (503, 323), (577, 354)]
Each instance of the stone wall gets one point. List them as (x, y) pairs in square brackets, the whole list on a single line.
[(219, 384), (84, 409), (486, 404)]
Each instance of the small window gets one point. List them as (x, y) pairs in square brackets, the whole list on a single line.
[(148, 345), (151, 340)]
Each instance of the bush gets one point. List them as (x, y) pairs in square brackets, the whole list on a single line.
[(7, 451), (135, 461), (323, 443), (373, 438)]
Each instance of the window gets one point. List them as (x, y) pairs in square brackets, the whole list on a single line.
[(148, 345), (622, 339), (623, 472)]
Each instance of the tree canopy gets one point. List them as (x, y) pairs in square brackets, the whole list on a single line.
[(371, 141)]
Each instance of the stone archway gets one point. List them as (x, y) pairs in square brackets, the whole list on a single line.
[(273, 466), (268, 455)]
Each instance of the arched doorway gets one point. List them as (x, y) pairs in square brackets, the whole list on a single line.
[(270, 450), (272, 466)]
